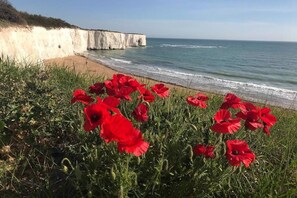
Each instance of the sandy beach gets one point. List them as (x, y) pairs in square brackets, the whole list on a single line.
[(82, 64)]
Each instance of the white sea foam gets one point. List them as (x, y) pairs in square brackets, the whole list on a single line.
[(192, 46), (121, 60)]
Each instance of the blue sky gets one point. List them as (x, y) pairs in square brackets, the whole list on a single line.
[(206, 19)]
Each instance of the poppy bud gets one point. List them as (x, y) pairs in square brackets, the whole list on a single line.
[(135, 180), (191, 154), (165, 164), (65, 169), (138, 160), (113, 175)]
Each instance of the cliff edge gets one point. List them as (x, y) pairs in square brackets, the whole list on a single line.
[(31, 44)]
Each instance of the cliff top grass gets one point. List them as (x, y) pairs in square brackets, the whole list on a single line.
[(9, 16), (110, 31), (44, 150), (4, 24)]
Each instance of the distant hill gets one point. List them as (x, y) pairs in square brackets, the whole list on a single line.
[(9, 15)]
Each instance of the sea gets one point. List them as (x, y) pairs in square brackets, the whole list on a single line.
[(258, 71)]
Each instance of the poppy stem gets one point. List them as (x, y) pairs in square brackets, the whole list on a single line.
[(206, 133)]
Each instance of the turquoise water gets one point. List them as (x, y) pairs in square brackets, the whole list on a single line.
[(258, 71)]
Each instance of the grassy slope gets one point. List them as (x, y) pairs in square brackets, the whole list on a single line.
[(46, 152), (9, 16)]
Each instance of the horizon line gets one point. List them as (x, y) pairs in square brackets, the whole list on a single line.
[(278, 41)]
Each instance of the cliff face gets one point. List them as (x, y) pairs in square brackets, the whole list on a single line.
[(37, 43), (106, 40), (114, 40)]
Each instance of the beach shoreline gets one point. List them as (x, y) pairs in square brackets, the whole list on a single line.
[(83, 64)]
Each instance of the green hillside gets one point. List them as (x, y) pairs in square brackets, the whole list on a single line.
[(10, 16)]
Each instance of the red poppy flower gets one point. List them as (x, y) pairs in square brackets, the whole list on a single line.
[(124, 93), (137, 146), (95, 115), (121, 86), (97, 88), (117, 128), (109, 103), (140, 113), (120, 129), (244, 109), (128, 81), (145, 94), (224, 122), (207, 151), (198, 100), (266, 117), (161, 90), (231, 101), (112, 101), (266, 129), (110, 87), (80, 95), (256, 117), (122, 80), (252, 121), (238, 151)]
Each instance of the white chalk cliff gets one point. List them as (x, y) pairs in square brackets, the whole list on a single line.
[(33, 44)]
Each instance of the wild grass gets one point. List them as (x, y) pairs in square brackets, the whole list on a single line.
[(46, 153)]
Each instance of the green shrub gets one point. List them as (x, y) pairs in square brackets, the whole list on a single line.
[(10, 14), (47, 22)]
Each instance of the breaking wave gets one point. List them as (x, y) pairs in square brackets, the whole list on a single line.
[(192, 46), (121, 60)]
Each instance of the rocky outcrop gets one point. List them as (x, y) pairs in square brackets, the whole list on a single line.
[(37, 43), (114, 40), (134, 40), (106, 40), (79, 40)]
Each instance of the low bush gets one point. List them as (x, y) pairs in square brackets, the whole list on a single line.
[(9, 13), (47, 22)]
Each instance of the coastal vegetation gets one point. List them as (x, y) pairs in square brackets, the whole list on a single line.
[(48, 149), (9, 16)]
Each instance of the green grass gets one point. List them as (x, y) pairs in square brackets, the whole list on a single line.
[(50, 155)]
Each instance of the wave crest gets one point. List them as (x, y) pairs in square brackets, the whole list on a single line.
[(121, 60), (192, 46)]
